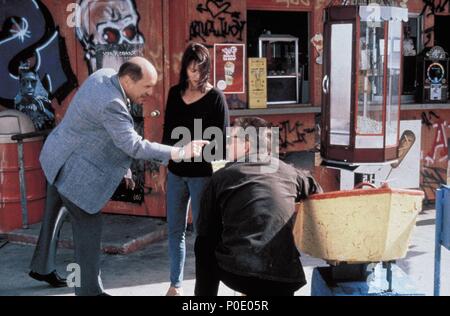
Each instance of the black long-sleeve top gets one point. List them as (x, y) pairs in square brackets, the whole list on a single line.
[(212, 109)]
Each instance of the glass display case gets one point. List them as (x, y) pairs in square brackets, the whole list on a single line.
[(281, 53), (361, 83)]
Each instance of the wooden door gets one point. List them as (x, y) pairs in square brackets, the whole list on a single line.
[(149, 198), (65, 41), (109, 32)]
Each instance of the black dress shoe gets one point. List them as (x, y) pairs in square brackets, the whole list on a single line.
[(104, 294), (52, 278)]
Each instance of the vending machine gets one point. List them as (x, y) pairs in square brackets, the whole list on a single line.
[(432, 79)]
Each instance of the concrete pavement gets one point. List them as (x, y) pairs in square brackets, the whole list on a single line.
[(145, 272), (121, 234)]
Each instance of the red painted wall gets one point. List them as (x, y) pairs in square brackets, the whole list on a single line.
[(168, 26)]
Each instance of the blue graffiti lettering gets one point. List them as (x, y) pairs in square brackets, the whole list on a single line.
[(28, 32)]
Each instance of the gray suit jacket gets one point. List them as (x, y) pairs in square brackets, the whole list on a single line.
[(89, 152)]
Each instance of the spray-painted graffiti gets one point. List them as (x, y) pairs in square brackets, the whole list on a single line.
[(432, 7), (32, 99), (320, 4), (28, 33), (317, 42), (404, 3), (109, 33), (439, 149), (432, 178), (289, 3), (427, 118), (427, 33), (438, 152), (435, 155), (218, 22), (291, 134)]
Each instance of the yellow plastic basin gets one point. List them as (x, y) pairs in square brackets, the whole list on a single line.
[(358, 225)]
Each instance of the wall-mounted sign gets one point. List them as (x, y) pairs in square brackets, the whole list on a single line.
[(257, 83), (229, 68)]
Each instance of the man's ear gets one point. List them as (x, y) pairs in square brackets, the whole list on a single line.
[(127, 82)]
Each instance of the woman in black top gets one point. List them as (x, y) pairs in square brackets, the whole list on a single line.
[(193, 107)]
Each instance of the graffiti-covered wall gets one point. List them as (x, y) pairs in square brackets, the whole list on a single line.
[(109, 34), (208, 22), (45, 27), (34, 64), (48, 48), (434, 148), (299, 145)]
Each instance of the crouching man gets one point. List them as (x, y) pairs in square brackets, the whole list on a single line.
[(247, 214)]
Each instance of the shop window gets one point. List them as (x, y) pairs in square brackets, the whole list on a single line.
[(283, 38), (412, 46)]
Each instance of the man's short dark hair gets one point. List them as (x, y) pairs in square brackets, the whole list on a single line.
[(131, 70), (247, 121), (259, 124)]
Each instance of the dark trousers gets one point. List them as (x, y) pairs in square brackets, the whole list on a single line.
[(252, 286), (208, 275), (43, 261), (87, 232)]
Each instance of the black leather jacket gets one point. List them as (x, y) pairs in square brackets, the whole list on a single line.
[(247, 216)]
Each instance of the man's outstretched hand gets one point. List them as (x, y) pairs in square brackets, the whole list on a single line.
[(193, 149)]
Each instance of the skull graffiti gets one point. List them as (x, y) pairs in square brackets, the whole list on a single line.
[(108, 24), (108, 31)]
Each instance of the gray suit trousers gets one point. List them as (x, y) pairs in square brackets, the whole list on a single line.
[(87, 233), (43, 261)]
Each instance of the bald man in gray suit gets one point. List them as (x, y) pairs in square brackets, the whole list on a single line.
[(86, 156)]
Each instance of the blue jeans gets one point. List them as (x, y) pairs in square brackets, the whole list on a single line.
[(179, 190)]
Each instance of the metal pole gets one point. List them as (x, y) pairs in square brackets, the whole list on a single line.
[(389, 276), (437, 241), (23, 186), (22, 183)]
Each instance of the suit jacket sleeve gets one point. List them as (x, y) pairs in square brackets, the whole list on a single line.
[(119, 124)]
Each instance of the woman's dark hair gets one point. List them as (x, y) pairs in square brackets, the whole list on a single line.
[(198, 54)]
